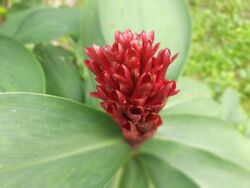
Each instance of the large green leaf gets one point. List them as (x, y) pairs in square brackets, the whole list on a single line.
[(193, 152), (11, 26), (200, 167), (162, 174), (89, 23), (193, 147), (232, 110), (20, 5), (62, 77), (209, 134), (194, 98), (131, 175), (19, 70), (43, 24), (47, 141), (90, 86), (134, 176), (169, 19)]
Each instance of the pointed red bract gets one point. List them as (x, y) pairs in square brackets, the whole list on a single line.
[(131, 82)]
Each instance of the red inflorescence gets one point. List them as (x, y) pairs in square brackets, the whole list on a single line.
[(131, 82)]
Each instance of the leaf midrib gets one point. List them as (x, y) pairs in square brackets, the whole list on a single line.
[(210, 151), (177, 104), (68, 154), (168, 164), (22, 35), (150, 182)]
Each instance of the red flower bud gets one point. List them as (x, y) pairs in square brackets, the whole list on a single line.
[(131, 82)]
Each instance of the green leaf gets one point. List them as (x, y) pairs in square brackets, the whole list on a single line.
[(133, 176), (194, 98), (195, 143), (169, 19), (21, 5), (88, 38), (193, 148), (190, 90), (142, 170), (14, 21), (206, 150), (232, 110), (248, 128), (46, 141), (162, 174), (44, 24), (115, 181), (203, 169), (204, 107), (210, 134), (19, 70), (62, 77), (90, 86), (193, 151)]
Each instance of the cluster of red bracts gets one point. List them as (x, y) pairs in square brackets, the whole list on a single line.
[(131, 82)]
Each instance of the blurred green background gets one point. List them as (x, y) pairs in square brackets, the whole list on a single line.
[(221, 45)]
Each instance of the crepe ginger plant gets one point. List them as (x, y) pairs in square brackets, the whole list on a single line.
[(131, 82), (54, 134)]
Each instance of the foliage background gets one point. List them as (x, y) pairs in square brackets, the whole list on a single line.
[(220, 46)]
